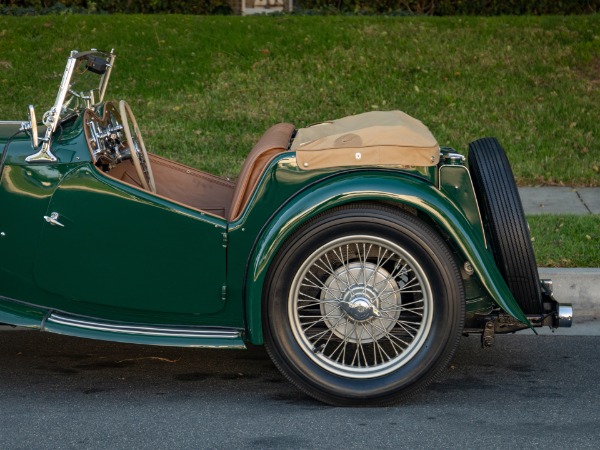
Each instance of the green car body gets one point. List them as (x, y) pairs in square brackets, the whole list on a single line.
[(85, 254), (220, 276)]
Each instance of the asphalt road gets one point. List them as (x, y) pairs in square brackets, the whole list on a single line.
[(58, 392)]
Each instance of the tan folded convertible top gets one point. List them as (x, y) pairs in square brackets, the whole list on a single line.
[(372, 138)]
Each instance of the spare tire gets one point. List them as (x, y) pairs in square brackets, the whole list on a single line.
[(504, 220)]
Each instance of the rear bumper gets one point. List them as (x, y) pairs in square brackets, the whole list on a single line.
[(554, 315)]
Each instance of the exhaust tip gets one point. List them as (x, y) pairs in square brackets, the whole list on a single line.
[(564, 315)]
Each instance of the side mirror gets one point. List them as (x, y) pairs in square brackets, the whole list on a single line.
[(33, 125), (96, 64)]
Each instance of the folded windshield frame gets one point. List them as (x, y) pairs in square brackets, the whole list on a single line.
[(68, 100)]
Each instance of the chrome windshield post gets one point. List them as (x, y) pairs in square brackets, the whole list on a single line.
[(52, 116), (70, 100), (106, 76)]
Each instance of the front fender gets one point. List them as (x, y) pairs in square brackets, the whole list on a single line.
[(381, 186)]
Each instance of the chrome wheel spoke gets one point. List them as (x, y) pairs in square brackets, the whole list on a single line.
[(311, 303), (360, 306)]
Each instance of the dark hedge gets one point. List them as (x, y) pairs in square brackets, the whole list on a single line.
[(450, 7), (409, 7), (33, 7)]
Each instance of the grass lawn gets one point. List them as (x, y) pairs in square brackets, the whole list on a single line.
[(205, 88), (566, 241)]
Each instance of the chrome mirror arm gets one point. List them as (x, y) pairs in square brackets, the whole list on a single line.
[(51, 117), (44, 154), (106, 76)]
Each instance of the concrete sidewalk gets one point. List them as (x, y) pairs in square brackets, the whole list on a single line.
[(560, 200)]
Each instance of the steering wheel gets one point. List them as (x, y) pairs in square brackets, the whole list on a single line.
[(139, 155)]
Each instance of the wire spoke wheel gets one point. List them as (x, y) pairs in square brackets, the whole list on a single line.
[(363, 305), (360, 307)]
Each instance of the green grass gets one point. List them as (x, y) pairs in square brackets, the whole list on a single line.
[(205, 88), (566, 241)]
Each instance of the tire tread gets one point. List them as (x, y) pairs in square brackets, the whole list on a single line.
[(499, 198)]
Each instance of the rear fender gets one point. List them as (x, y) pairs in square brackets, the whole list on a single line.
[(379, 187)]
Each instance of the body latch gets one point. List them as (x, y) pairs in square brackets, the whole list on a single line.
[(53, 219)]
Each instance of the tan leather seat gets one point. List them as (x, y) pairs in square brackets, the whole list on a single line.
[(272, 143)]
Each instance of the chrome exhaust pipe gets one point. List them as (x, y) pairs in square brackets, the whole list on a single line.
[(562, 312), (564, 315)]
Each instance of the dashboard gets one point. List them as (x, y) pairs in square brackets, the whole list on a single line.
[(105, 136)]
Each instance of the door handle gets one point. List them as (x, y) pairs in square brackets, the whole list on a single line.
[(53, 219)]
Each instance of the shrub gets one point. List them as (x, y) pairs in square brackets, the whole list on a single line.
[(27, 7), (450, 7)]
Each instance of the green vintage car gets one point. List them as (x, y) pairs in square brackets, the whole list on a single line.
[(356, 250)]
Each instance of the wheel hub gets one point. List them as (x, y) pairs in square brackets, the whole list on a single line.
[(368, 306), (359, 309)]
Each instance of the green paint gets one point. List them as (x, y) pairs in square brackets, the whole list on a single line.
[(126, 255)]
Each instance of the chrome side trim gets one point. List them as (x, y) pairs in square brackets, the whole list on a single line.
[(173, 331)]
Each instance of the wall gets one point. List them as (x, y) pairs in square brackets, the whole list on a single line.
[(246, 7)]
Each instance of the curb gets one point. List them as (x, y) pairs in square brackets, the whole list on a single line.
[(580, 287)]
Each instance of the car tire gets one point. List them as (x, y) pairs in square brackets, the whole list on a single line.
[(363, 305), (504, 220)]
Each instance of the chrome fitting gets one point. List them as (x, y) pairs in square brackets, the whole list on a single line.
[(564, 315), (547, 286)]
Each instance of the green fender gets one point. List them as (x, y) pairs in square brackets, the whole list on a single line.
[(354, 187)]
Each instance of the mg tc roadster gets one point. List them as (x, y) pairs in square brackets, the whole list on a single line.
[(357, 250)]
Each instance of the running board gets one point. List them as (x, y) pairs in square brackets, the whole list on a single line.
[(179, 336)]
